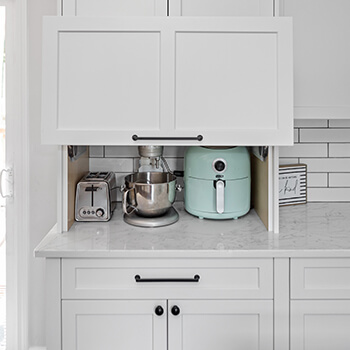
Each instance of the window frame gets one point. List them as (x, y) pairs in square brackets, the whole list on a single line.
[(17, 156)]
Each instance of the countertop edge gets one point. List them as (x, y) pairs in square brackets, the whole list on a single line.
[(335, 253)]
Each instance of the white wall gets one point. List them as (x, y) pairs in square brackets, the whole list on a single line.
[(43, 165)]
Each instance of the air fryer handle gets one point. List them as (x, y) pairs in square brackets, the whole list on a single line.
[(220, 196)]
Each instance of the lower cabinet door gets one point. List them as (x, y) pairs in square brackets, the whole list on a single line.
[(114, 324), (320, 325), (220, 325)]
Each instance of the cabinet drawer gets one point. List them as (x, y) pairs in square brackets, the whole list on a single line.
[(168, 278), (320, 279)]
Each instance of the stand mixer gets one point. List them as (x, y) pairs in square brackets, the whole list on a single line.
[(151, 158), (148, 194)]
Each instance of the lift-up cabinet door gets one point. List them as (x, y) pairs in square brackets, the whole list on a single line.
[(120, 80)]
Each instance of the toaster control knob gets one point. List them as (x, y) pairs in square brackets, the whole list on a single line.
[(100, 212), (219, 166)]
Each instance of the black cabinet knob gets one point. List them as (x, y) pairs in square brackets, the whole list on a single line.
[(175, 310), (159, 310)]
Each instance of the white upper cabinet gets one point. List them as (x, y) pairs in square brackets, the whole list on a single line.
[(321, 57), (171, 7), (114, 8), (221, 8), (167, 81)]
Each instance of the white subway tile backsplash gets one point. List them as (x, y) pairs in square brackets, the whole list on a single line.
[(120, 178), (173, 151), (132, 151), (339, 180), (175, 163), (326, 164), (317, 180), (339, 150), (304, 150), (324, 135), (136, 164), (328, 194), (324, 145), (339, 123), (296, 135), (119, 196), (121, 151), (96, 151), (111, 164), (310, 123), (285, 161)]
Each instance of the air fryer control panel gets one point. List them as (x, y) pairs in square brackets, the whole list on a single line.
[(219, 165)]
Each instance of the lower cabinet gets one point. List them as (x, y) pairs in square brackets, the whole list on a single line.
[(156, 324), (320, 325), (198, 304), (160, 304), (320, 304), (221, 325), (113, 324)]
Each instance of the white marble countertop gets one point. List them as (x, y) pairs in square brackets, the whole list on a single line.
[(311, 230)]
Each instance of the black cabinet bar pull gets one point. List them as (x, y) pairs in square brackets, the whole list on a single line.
[(194, 138), (194, 279)]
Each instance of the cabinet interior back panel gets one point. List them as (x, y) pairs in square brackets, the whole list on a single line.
[(237, 67), (109, 79)]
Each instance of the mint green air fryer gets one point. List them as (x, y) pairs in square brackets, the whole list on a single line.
[(217, 182)]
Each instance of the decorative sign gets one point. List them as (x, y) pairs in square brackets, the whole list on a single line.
[(292, 184)]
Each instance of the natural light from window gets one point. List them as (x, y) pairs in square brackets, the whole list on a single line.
[(2, 200)]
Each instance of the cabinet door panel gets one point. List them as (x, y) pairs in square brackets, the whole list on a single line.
[(114, 279), (224, 325), (321, 57), (123, 85), (110, 325), (227, 79), (114, 8), (320, 278), (221, 7), (224, 67), (320, 325)]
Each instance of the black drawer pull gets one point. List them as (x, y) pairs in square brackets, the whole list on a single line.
[(195, 138), (194, 279)]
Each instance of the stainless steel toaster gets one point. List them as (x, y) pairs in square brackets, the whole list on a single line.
[(96, 197)]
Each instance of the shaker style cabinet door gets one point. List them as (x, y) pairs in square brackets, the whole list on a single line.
[(113, 324), (320, 325), (321, 57), (221, 7), (172, 80), (114, 8), (220, 324)]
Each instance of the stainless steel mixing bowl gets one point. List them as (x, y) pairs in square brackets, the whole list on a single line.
[(149, 194)]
